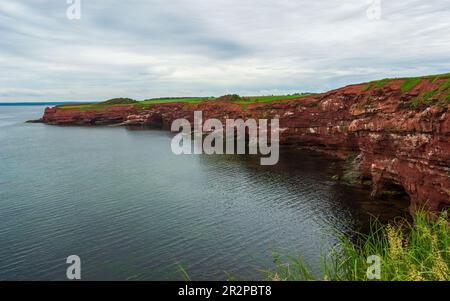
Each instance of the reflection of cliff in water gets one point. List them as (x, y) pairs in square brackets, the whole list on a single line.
[(299, 171)]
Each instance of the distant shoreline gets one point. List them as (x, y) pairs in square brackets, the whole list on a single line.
[(41, 103)]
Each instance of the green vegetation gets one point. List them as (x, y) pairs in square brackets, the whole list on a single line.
[(183, 273), (231, 98), (120, 102), (101, 105), (438, 76), (90, 106), (407, 252), (445, 85), (407, 84), (424, 98), (377, 84), (381, 83), (410, 83), (188, 100), (277, 97), (442, 93), (137, 104), (268, 99), (367, 87)]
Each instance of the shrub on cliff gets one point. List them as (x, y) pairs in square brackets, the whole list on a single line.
[(231, 98), (119, 101)]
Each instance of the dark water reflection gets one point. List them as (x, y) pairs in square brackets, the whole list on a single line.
[(132, 210)]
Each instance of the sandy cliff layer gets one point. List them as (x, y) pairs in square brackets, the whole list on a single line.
[(396, 136)]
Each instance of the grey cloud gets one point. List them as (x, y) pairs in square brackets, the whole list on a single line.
[(156, 48)]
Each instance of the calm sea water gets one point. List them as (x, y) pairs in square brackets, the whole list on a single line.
[(132, 210)]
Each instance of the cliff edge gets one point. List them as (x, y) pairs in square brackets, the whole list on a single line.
[(397, 130)]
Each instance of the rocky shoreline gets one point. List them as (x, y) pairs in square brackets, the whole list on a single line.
[(396, 136)]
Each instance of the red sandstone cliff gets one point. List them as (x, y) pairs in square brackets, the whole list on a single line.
[(397, 139)]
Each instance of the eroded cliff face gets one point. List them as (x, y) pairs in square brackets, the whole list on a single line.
[(397, 137)]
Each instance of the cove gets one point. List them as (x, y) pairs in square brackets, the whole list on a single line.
[(131, 209)]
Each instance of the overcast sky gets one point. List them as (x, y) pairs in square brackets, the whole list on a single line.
[(144, 49)]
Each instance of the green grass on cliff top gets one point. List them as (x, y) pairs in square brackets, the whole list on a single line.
[(137, 104), (407, 85), (408, 82), (440, 94), (188, 100), (267, 99)]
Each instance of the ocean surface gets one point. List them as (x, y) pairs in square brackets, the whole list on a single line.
[(131, 210)]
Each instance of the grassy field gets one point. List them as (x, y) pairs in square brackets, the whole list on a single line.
[(244, 101), (136, 104), (255, 99), (408, 252)]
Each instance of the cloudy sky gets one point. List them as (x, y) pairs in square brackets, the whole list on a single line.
[(144, 49)]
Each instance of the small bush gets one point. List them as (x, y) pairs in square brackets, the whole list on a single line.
[(231, 98), (119, 101)]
